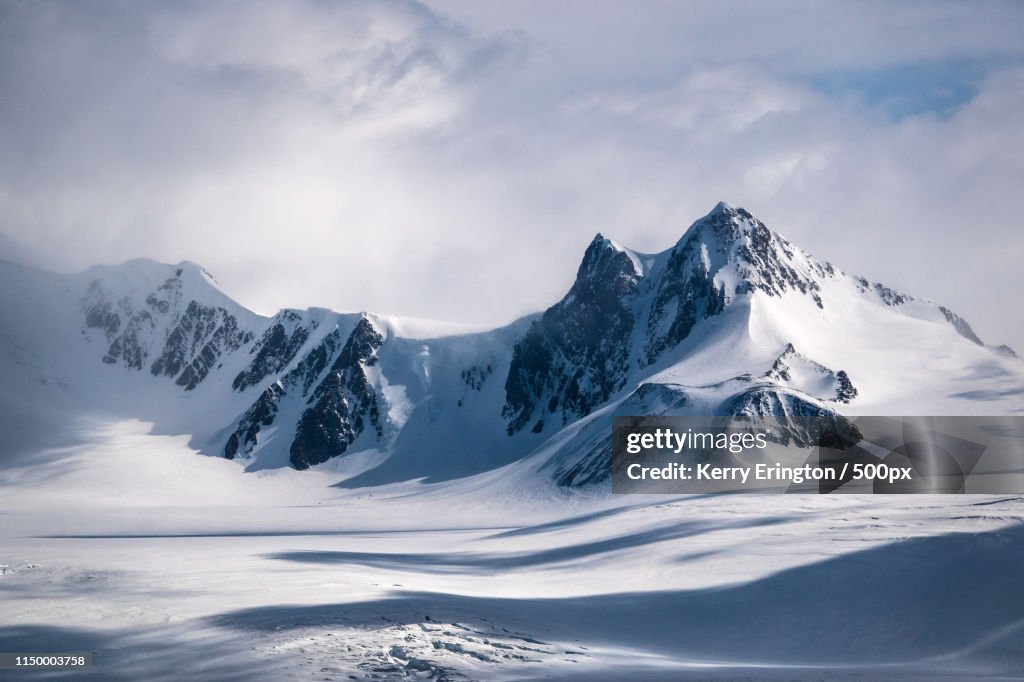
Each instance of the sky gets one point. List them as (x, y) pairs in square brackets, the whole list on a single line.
[(453, 159)]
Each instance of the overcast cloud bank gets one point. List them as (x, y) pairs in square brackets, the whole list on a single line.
[(453, 159)]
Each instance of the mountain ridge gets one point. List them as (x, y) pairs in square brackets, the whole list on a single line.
[(732, 317)]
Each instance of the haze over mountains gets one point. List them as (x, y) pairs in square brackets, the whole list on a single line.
[(732, 319)]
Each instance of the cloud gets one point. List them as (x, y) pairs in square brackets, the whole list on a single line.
[(706, 102), (389, 66), (453, 159)]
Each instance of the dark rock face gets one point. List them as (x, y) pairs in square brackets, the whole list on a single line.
[(201, 336), (766, 401), (686, 291), (1005, 351), (101, 315), (782, 414), (577, 354), (580, 352), (891, 297), (780, 369), (131, 348), (308, 370), (125, 328), (225, 340), (845, 391), (261, 413), (960, 325), (788, 414), (299, 381), (274, 351), (625, 318), (767, 259), (198, 337), (686, 294), (338, 410), (475, 376), (196, 324), (343, 404)]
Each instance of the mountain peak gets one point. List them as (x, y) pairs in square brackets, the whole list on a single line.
[(724, 225), (702, 323), (187, 266), (605, 257)]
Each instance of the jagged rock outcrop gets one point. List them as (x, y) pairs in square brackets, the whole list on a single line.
[(344, 404), (576, 355), (185, 338), (1005, 351), (297, 383), (845, 390), (583, 348), (201, 336), (788, 418), (727, 245), (275, 350), (686, 293), (261, 413), (960, 325)]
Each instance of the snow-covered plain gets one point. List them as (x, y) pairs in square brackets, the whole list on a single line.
[(168, 566)]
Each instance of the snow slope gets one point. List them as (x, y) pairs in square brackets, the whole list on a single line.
[(169, 566), (732, 317)]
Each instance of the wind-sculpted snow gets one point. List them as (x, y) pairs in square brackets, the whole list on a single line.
[(285, 577), (793, 369)]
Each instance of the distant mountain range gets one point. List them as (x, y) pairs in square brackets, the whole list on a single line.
[(732, 319)]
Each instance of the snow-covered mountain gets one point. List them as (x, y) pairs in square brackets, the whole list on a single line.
[(733, 319)]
